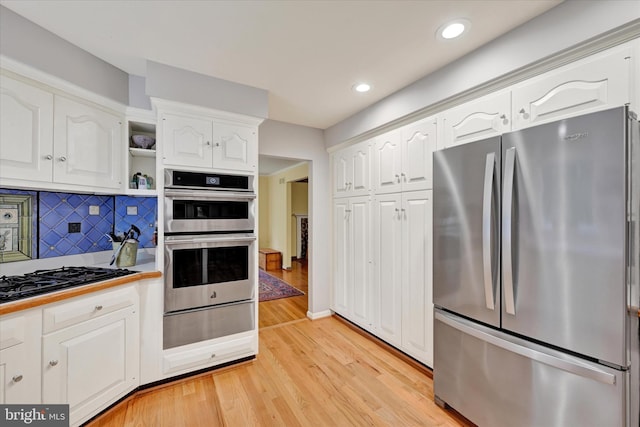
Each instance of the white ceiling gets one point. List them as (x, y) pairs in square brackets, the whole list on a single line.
[(306, 54)]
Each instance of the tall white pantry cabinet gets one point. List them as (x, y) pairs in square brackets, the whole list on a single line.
[(382, 215), (382, 237)]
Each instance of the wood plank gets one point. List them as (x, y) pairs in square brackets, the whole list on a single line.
[(320, 373)]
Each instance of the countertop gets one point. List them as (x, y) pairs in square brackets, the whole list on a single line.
[(145, 268)]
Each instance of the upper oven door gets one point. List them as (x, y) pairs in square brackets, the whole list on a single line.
[(206, 211), (208, 270)]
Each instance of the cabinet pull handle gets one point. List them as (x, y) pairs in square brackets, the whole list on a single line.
[(505, 121), (397, 177), (53, 362), (214, 294), (213, 356), (524, 113), (208, 143), (98, 307), (217, 144), (17, 378), (48, 157), (62, 159), (404, 177)]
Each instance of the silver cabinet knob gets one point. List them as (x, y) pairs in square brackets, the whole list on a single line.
[(48, 157), (62, 159), (53, 362), (98, 307), (208, 143), (217, 144), (17, 378), (524, 113)]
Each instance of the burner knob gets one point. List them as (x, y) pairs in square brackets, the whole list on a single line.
[(17, 378), (53, 362)]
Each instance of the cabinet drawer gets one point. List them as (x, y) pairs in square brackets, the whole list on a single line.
[(87, 307), (12, 331), (175, 362)]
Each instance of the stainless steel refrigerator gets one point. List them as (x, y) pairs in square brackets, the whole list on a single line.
[(535, 277)]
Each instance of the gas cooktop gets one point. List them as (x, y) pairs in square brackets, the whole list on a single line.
[(39, 282)]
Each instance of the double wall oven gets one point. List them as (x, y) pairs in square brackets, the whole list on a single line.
[(210, 265)]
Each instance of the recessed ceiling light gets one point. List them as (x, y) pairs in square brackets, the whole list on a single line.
[(362, 87), (453, 29)]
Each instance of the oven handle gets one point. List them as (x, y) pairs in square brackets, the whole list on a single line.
[(208, 195), (171, 240)]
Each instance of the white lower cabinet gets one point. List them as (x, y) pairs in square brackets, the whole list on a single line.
[(89, 364), (352, 248), (20, 357), (402, 272), (417, 284), (188, 358)]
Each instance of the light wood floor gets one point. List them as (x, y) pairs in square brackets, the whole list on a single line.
[(307, 373), (284, 310)]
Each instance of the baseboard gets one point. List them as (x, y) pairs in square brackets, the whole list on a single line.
[(319, 315)]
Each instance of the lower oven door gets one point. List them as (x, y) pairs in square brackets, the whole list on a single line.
[(208, 270)]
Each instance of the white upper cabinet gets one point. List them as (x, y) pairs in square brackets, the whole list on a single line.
[(595, 83), (26, 131), (88, 145), (351, 170), (234, 146), (208, 142), (402, 158), (475, 120), (48, 139), (187, 140)]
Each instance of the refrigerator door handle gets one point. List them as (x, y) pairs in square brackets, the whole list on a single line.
[(574, 367), (487, 207), (507, 205)]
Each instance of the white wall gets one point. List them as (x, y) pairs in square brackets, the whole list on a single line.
[(564, 26), (298, 142), (164, 81), (32, 45)]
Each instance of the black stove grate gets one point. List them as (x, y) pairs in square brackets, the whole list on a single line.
[(13, 288)]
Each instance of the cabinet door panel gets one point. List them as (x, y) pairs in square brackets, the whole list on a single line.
[(359, 182), (341, 280), (340, 168), (20, 346), (91, 364), (26, 131), (388, 266), (417, 308), (418, 145), (360, 248), (187, 141), (235, 147), (88, 143), (485, 117), (388, 162), (593, 84)]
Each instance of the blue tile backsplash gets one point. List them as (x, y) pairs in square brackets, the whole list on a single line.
[(139, 211), (97, 216), (57, 210)]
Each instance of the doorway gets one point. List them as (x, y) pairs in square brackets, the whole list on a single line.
[(283, 225)]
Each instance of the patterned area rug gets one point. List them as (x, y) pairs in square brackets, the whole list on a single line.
[(273, 288)]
